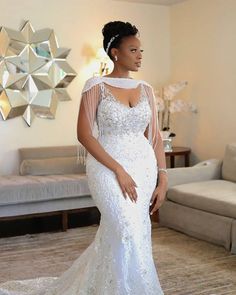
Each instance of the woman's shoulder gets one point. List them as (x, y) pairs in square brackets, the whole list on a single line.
[(91, 82), (147, 86), (145, 83)]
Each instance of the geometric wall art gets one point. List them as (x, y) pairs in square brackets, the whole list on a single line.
[(34, 73)]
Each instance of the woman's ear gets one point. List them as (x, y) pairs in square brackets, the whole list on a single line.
[(114, 52)]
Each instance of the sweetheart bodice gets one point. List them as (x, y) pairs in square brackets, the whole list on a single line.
[(116, 118)]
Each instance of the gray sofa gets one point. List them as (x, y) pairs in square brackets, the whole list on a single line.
[(49, 182), (201, 200)]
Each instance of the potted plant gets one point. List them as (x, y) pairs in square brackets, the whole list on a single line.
[(166, 105)]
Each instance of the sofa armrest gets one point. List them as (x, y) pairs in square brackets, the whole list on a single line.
[(203, 171)]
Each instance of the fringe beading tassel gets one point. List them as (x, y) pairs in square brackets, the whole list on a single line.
[(81, 154)]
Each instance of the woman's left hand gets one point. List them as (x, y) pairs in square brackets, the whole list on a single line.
[(158, 196)]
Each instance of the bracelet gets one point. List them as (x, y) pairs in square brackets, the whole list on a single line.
[(162, 170)]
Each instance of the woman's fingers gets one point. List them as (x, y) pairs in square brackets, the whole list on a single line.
[(134, 194), (152, 200), (127, 191), (157, 205), (123, 191), (133, 188), (131, 193), (128, 186), (159, 200), (134, 183), (154, 195)]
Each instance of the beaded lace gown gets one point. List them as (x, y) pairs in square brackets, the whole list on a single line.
[(119, 261)]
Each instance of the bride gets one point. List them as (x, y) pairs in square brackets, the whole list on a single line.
[(123, 163)]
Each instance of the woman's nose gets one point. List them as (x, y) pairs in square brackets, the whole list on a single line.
[(140, 55)]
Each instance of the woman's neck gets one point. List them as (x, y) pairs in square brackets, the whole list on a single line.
[(119, 74)]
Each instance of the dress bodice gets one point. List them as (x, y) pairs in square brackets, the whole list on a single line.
[(116, 118)]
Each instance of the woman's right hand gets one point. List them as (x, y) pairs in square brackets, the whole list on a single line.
[(127, 184)]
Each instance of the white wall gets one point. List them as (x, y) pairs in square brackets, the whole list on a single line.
[(203, 46), (193, 40), (78, 25)]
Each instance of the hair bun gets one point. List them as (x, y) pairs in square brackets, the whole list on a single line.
[(118, 27)]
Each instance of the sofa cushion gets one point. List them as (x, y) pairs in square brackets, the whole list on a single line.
[(216, 196), (229, 163), (47, 166), (16, 189), (47, 152)]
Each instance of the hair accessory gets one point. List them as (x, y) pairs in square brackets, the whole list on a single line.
[(109, 43)]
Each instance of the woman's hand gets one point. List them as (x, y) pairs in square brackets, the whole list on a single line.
[(158, 196), (127, 184)]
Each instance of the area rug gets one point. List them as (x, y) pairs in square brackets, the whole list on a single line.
[(186, 266)]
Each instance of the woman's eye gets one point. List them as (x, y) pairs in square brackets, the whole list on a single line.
[(134, 50)]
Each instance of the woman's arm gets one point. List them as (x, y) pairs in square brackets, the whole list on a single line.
[(152, 132), (161, 159), (160, 155)]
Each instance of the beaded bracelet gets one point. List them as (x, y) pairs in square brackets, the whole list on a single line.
[(162, 170)]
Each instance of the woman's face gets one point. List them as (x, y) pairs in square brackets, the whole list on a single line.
[(129, 53)]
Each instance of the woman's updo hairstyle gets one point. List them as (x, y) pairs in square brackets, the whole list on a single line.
[(111, 29)]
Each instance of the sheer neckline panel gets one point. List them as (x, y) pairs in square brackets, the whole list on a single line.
[(115, 97)]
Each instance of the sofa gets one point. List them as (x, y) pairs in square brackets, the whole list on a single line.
[(50, 181), (201, 200)]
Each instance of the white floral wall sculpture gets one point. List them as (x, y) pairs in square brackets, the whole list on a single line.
[(34, 73)]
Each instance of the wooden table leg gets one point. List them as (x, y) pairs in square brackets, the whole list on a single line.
[(158, 215), (186, 160), (172, 161), (64, 220)]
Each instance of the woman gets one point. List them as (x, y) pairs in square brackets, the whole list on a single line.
[(122, 166)]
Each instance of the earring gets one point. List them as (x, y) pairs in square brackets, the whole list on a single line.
[(116, 58)]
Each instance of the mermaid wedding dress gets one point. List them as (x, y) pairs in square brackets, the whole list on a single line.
[(119, 261)]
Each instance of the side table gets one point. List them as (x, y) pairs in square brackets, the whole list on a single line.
[(179, 151)]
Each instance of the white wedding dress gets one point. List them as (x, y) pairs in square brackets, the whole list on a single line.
[(119, 261)]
